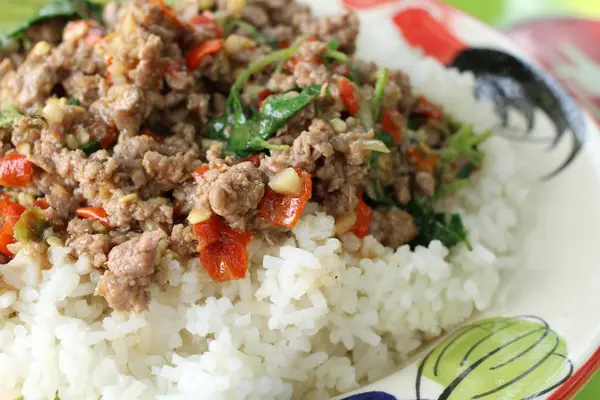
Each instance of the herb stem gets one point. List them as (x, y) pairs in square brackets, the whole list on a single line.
[(337, 56), (276, 56), (377, 99)]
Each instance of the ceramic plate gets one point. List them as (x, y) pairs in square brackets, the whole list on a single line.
[(540, 338)]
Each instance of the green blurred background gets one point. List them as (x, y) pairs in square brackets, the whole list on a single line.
[(504, 13)]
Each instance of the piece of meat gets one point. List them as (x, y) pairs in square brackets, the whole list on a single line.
[(183, 240), (231, 191), (343, 28), (122, 214), (30, 85), (425, 183), (402, 189), (176, 169), (85, 88), (307, 148), (131, 267), (80, 226), (392, 227), (93, 246), (137, 257), (341, 201), (123, 293)]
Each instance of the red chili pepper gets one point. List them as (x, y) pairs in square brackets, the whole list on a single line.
[(41, 203), (15, 170), (255, 160), (363, 218), (204, 20), (111, 136), (198, 174), (262, 95), (194, 57), (421, 160), (96, 213), (222, 249), (391, 123), (424, 107), (348, 95), (167, 12), (10, 213), (283, 210)]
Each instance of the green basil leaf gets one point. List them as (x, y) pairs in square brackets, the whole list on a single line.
[(385, 137), (91, 147), (464, 144), (333, 44), (447, 228), (9, 116), (277, 109), (18, 15), (74, 101), (216, 127)]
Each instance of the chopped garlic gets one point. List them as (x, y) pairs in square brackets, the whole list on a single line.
[(235, 7), (235, 43), (287, 182), (205, 4), (24, 148), (198, 215), (128, 198), (128, 26), (72, 142), (338, 125), (41, 48), (53, 112), (345, 222)]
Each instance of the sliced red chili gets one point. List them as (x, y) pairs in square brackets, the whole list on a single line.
[(222, 249), (426, 108), (363, 218), (41, 203), (262, 95), (194, 57), (422, 161), (348, 95), (198, 174), (205, 21), (15, 170), (392, 123), (167, 12), (255, 160), (96, 213), (10, 213), (283, 210)]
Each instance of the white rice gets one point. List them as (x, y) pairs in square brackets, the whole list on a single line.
[(316, 317)]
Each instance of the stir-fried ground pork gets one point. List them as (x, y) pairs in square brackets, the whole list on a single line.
[(118, 123)]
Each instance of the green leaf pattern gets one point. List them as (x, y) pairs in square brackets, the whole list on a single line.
[(498, 359)]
